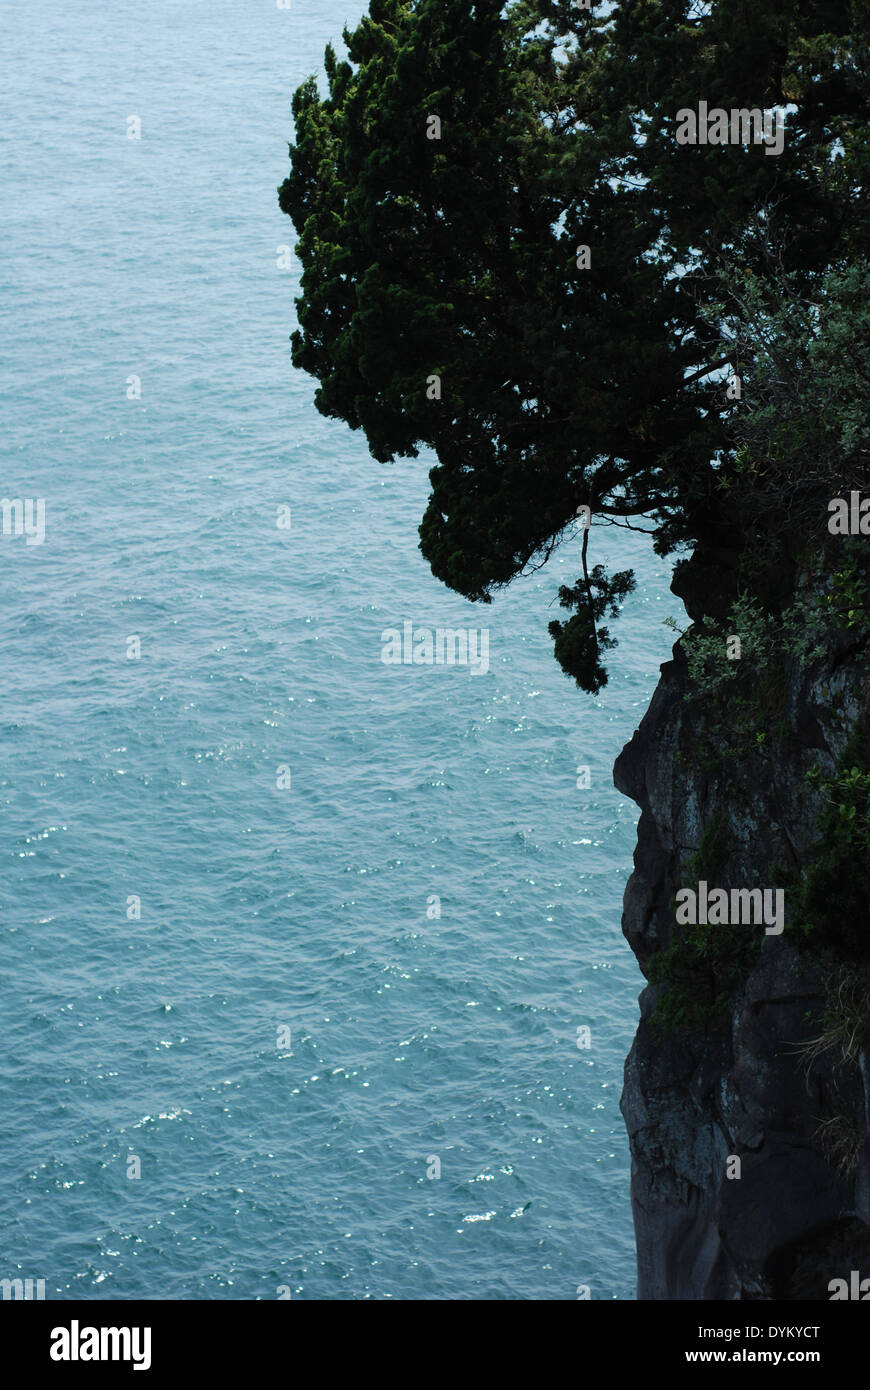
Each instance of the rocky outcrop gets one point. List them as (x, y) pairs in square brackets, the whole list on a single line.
[(749, 1085)]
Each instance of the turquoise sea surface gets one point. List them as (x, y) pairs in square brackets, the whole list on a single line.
[(157, 784)]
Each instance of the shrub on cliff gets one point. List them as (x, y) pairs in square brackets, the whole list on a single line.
[(833, 895)]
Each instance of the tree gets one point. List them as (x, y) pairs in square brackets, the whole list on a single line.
[(567, 377)]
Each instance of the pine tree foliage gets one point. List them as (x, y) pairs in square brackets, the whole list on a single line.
[(565, 380)]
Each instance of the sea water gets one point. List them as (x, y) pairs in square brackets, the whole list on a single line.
[(297, 945)]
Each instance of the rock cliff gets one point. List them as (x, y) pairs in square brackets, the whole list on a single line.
[(762, 1073)]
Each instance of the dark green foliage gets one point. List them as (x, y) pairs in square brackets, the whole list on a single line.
[(704, 965), (801, 434), (579, 641), (833, 896), (702, 972), (457, 257)]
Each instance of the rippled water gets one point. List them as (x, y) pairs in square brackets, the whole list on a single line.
[(412, 1037)]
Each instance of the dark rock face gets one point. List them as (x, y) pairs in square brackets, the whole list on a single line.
[(797, 1216)]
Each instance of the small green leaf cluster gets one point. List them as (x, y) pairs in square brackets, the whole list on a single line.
[(705, 965), (832, 911)]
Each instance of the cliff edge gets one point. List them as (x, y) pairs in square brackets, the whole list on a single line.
[(746, 1089)]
